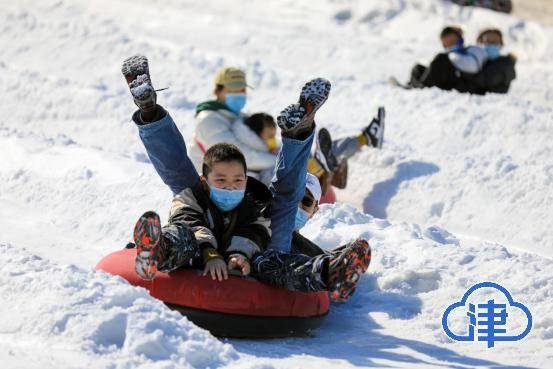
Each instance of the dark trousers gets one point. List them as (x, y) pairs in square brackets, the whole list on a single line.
[(179, 249), (417, 72), (295, 272), (440, 73)]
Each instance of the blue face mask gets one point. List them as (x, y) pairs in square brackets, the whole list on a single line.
[(235, 102), (493, 51), (226, 200), (301, 218)]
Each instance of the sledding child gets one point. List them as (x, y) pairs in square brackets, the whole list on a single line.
[(258, 131), (223, 214)]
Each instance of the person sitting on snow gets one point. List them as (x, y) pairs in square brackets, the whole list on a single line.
[(223, 213), (499, 70), (446, 69), (222, 120)]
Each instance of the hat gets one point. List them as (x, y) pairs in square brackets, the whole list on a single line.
[(313, 185), (232, 78)]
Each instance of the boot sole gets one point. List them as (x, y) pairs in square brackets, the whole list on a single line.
[(313, 95), (147, 234), (352, 266), (135, 66)]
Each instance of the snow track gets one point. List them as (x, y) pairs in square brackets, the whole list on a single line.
[(74, 177)]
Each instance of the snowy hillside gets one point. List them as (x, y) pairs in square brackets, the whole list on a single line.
[(74, 177)]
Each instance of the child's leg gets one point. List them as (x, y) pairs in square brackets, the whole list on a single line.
[(345, 148), (165, 249), (288, 185), (158, 132), (167, 152), (295, 272), (180, 248), (338, 271)]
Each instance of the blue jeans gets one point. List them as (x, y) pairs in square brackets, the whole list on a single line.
[(167, 152), (288, 188)]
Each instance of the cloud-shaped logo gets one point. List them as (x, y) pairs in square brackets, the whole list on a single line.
[(484, 319)]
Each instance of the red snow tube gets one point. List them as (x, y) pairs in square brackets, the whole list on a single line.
[(237, 307), (329, 197)]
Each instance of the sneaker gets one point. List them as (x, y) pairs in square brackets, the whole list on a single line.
[(374, 132), (346, 268), (137, 74), (323, 151), (147, 237), (298, 118)]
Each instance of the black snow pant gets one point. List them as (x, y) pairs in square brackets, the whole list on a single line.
[(417, 72), (440, 73), (179, 249), (295, 272)]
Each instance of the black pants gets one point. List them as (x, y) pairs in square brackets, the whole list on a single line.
[(295, 272), (179, 249), (417, 72)]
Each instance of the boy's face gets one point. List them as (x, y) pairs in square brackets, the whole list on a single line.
[(309, 204), (227, 175), (268, 133), (222, 94), (491, 38), (449, 40)]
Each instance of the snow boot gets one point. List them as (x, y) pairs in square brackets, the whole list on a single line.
[(323, 151), (147, 237), (374, 132), (299, 118), (346, 267), (137, 74)]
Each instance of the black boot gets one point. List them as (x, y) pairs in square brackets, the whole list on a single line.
[(137, 74), (298, 120)]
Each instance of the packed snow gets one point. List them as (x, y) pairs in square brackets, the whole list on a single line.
[(460, 194)]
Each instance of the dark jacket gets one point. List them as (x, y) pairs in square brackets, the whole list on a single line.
[(244, 230), (496, 76)]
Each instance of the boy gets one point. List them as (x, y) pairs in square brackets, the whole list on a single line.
[(338, 272)]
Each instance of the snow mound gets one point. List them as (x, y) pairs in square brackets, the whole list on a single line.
[(64, 308)]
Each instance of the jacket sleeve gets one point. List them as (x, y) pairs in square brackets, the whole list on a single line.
[(212, 130), (251, 238), (186, 210), (470, 61)]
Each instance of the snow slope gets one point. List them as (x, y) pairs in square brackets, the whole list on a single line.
[(74, 177)]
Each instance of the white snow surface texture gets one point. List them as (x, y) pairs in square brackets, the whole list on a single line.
[(460, 193)]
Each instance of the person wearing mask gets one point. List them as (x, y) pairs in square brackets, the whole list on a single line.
[(447, 69), (499, 70), (216, 120), (219, 220)]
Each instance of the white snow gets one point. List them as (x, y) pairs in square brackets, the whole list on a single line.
[(460, 194)]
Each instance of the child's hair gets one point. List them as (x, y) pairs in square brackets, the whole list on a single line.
[(482, 36), (259, 121), (451, 30), (222, 152)]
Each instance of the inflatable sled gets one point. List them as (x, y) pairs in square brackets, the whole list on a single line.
[(329, 197), (238, 307)]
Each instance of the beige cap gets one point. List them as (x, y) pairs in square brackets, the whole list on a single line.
[(231, 78)]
